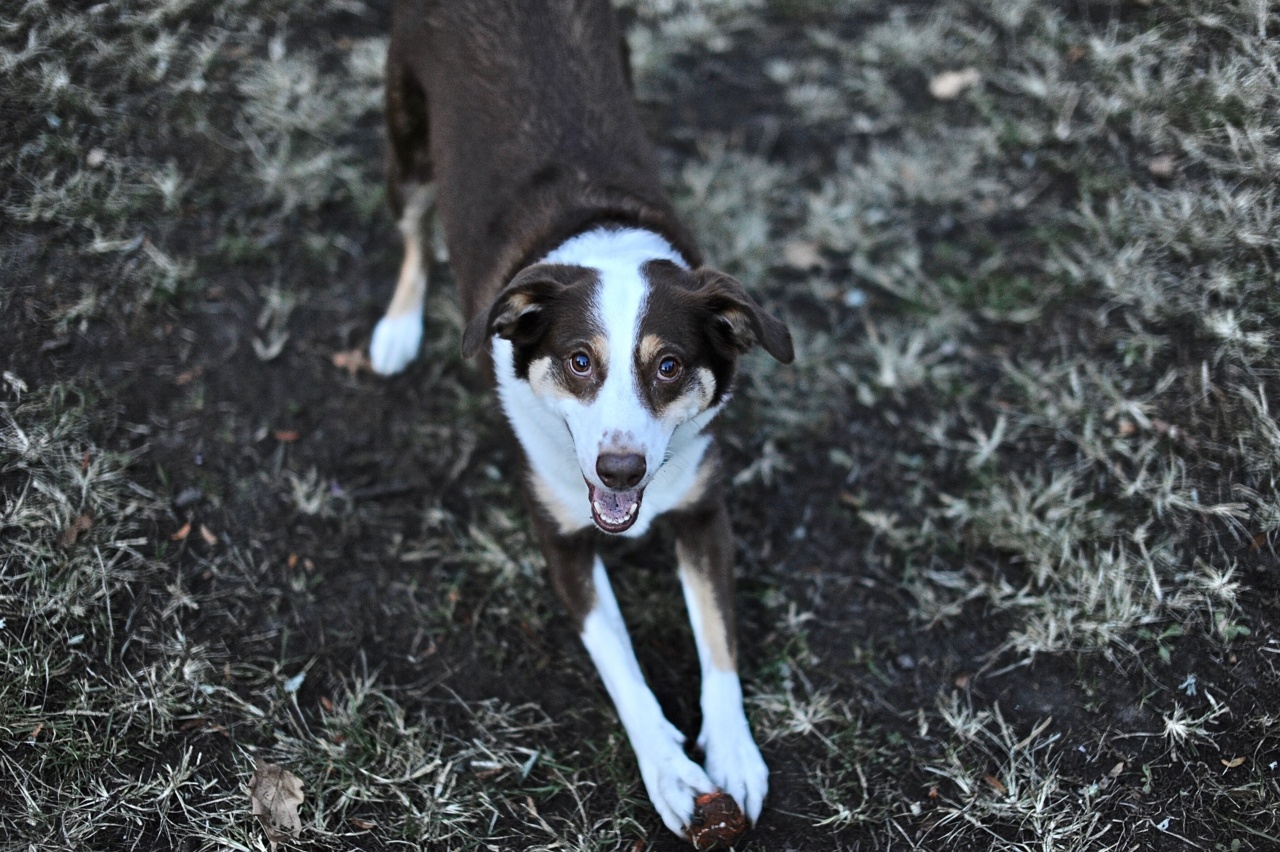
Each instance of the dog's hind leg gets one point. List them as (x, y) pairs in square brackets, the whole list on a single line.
[(704, 551), (670, 778), (398, 335)]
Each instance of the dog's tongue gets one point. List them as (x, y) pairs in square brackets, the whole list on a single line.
[(614, 511)]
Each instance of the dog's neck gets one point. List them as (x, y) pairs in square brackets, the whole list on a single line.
[(607, 246)]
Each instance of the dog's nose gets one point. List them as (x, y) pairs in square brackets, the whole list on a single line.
[(620, 471)]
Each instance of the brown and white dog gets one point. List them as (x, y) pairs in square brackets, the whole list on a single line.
[(613, 347)]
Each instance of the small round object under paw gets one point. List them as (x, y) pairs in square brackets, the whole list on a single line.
[(717, 822)]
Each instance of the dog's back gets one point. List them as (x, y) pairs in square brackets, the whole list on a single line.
[(532, 132)]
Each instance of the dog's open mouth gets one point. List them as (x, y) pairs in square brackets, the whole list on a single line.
[(614, 511)]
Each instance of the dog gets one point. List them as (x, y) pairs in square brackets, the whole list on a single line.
[(612, 346)]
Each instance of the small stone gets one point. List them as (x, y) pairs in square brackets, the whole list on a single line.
[(187, 497)]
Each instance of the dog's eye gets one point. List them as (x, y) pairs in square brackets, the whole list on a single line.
[(669, 369), (580, 364)]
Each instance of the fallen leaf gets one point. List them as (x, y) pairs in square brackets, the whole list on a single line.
[(803, 255), (353, 361), (292, 561), (1075, 53), (81, 524), (187, 375), (181, 535), (286, 436), (275, 794), (1161, 166), (363, 823), (995, 784), (208, 536), (1233, 762), (1116, 770), (962, 681), (948, 85), (36, 732), (84, 462), (326, 704)]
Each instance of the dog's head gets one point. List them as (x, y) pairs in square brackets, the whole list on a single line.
[(624, 355)]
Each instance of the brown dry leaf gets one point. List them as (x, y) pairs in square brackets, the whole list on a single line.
[(208, 536), (995, 784), (1233, 762), (81, 524), (286, 436), (187, 375), (1162, 166), (181, 535), (803, 255), (1075, 53), (353, 361), (948, 85), (363, 823), (275, 794)]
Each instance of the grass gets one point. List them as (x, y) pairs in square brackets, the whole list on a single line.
[(1008, 525)]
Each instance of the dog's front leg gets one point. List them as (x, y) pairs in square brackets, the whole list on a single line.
[(704, 550), (670, 778)]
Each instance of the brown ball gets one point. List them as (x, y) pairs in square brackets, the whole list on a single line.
[(717, 822)]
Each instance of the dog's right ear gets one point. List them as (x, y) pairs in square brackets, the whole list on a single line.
[(519, 314)]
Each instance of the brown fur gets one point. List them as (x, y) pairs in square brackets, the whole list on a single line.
[(529, 136)]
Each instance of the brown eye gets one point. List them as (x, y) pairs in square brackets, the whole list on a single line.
[(669, 369), (580, 364)]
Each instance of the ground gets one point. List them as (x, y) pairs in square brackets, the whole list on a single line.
[(1007, 527)]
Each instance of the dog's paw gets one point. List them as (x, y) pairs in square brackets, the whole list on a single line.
[(734, 763), (395, 343), (671, 779)]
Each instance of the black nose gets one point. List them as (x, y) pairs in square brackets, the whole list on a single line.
[(620, 471)]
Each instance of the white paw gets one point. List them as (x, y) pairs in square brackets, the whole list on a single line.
[(671, 779), (734, 762), (395, 343)]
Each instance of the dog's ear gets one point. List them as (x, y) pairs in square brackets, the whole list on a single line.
[(743, 322), (519, 312)]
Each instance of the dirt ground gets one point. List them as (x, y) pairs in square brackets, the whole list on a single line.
[(1006, 530)]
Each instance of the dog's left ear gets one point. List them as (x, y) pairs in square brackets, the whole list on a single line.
[(519, 312), (744, 321)]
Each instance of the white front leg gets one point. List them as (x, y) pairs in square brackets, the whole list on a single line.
[(671, 779)]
